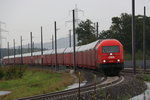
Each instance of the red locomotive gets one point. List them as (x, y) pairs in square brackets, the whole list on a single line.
[(106, 55)]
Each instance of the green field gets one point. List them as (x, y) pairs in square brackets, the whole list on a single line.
[(35, 82)]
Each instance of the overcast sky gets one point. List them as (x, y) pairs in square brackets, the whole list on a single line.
[(25, 16)]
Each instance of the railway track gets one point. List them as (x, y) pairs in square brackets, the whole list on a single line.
[(103, 83)]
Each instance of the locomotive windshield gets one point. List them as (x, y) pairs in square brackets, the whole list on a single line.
[(111, 49)]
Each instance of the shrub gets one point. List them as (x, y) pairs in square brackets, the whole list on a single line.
[(1, 73), (12, 72)]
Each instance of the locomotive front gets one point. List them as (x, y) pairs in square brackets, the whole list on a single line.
[(110, 56)]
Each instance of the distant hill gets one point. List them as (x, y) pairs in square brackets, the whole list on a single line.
[(61, 43)]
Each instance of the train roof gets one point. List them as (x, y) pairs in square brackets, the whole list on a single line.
[(26, 54), (88, 46), (62, 50), (59, 51), (77, 48), (68, 50), (47, 52), (18, 55), (36, 53)]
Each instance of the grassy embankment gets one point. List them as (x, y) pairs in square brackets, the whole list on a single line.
[(34, 82), (146, 78)]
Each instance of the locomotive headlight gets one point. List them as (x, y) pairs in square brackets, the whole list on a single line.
[(104, 61), (118, 60)]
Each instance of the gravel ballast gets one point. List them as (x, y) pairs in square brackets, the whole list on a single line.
[(131, 86)]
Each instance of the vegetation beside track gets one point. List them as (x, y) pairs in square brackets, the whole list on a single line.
[(145, 77), (12, 72), (34, 82)]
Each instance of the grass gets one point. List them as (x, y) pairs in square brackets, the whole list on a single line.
[(146, 78), (35, 82)]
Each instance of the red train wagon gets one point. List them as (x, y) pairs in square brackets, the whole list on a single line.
[(68, 57), (17, 59), (5, 60), (91, 55), (47, 59), (27, 58), (36, 58), (53, 56), (77, 54), (60, 56)]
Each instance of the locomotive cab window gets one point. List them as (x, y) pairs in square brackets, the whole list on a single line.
[(110, 49)]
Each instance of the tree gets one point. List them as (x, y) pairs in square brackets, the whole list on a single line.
[(121, 30), (85, 32)]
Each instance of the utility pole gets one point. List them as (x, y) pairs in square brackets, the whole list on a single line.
[(69, 38), (41, 45), (77, 20), (97, 29), (55, 28), (18, 50), (31, 45), (1, 43), (76, 10), (14, 52), (28, 48), (133, 37), (21, 50), (52, 42), (144, 45), (8, 51), (74, 43)]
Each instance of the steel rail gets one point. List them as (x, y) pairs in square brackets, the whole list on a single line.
[(72, 92)]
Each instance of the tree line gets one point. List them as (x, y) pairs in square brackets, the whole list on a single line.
[(120, 29)]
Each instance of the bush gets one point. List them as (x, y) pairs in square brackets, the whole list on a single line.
[(1, 73), (12, 72)]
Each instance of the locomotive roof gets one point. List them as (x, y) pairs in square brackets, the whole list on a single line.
[(103, 40)]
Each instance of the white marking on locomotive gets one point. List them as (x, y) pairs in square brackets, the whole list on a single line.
[(110, 57)]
